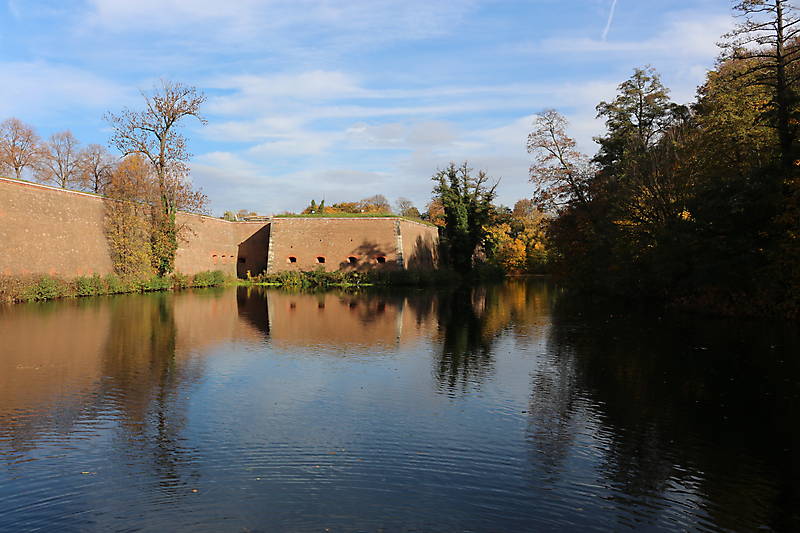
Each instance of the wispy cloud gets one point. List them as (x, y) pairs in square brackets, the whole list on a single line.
[(610, 20), (682, 37)]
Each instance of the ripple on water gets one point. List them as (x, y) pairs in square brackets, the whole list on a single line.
[(484, 409)]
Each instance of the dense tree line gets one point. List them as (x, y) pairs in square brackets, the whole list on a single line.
[(696, 204)]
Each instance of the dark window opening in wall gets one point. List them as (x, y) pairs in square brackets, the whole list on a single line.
[(214, 258), (242, 260), (292, 259), (381, 260), (320, 259), (352, 260)]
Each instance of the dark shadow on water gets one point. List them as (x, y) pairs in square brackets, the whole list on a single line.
[(710, 404)]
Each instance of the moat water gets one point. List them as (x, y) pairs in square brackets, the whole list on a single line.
[(497, 408)]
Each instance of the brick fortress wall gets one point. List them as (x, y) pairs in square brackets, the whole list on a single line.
[(46, 230), (358, 243)]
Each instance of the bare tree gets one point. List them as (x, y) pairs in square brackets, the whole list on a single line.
[(767, 39), (95, 167), (406, 208), (59, 160), (154, 133), (561, 173), (19, 146)]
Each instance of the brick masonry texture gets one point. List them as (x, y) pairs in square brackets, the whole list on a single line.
[(45, 230), (350, 244)]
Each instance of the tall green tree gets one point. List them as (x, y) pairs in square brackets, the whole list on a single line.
[(643, 155), (467, 203), (634, 120)]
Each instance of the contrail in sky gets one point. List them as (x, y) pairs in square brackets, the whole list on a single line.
[(610, 19)]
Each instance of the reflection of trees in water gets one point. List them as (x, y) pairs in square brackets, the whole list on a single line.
[(143, 383), (552, 410), (706, 406), (422, 303), (466, 348), (472, 319)]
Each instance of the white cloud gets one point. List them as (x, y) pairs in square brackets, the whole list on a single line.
[(264, 93), (297, 144), (400, 135), (35, 89), (255, 22), (399, 156)]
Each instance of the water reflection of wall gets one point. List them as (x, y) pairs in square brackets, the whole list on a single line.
[(60, 361), (49, 355), (341, 320)]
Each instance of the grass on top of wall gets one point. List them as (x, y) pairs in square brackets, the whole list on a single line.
[(354, 215), (42, 287)]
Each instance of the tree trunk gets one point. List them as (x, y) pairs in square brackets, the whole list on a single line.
[(783, 100)]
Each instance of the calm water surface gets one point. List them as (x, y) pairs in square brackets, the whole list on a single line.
[(499, 408)]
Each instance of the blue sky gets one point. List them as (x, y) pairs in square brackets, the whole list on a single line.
[(350, 98)]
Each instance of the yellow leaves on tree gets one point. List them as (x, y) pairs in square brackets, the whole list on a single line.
[(511, 253), (127, 221)]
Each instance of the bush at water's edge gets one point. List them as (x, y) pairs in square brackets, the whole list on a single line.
[(42, 287), (399, 278)]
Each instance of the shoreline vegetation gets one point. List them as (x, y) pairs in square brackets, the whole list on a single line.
[(38, 288), (320, 279)]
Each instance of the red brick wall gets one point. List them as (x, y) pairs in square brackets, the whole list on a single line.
[(338, 239), (49, 231), (45, 230), (334, 239), (214, 244), (420, 245)]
